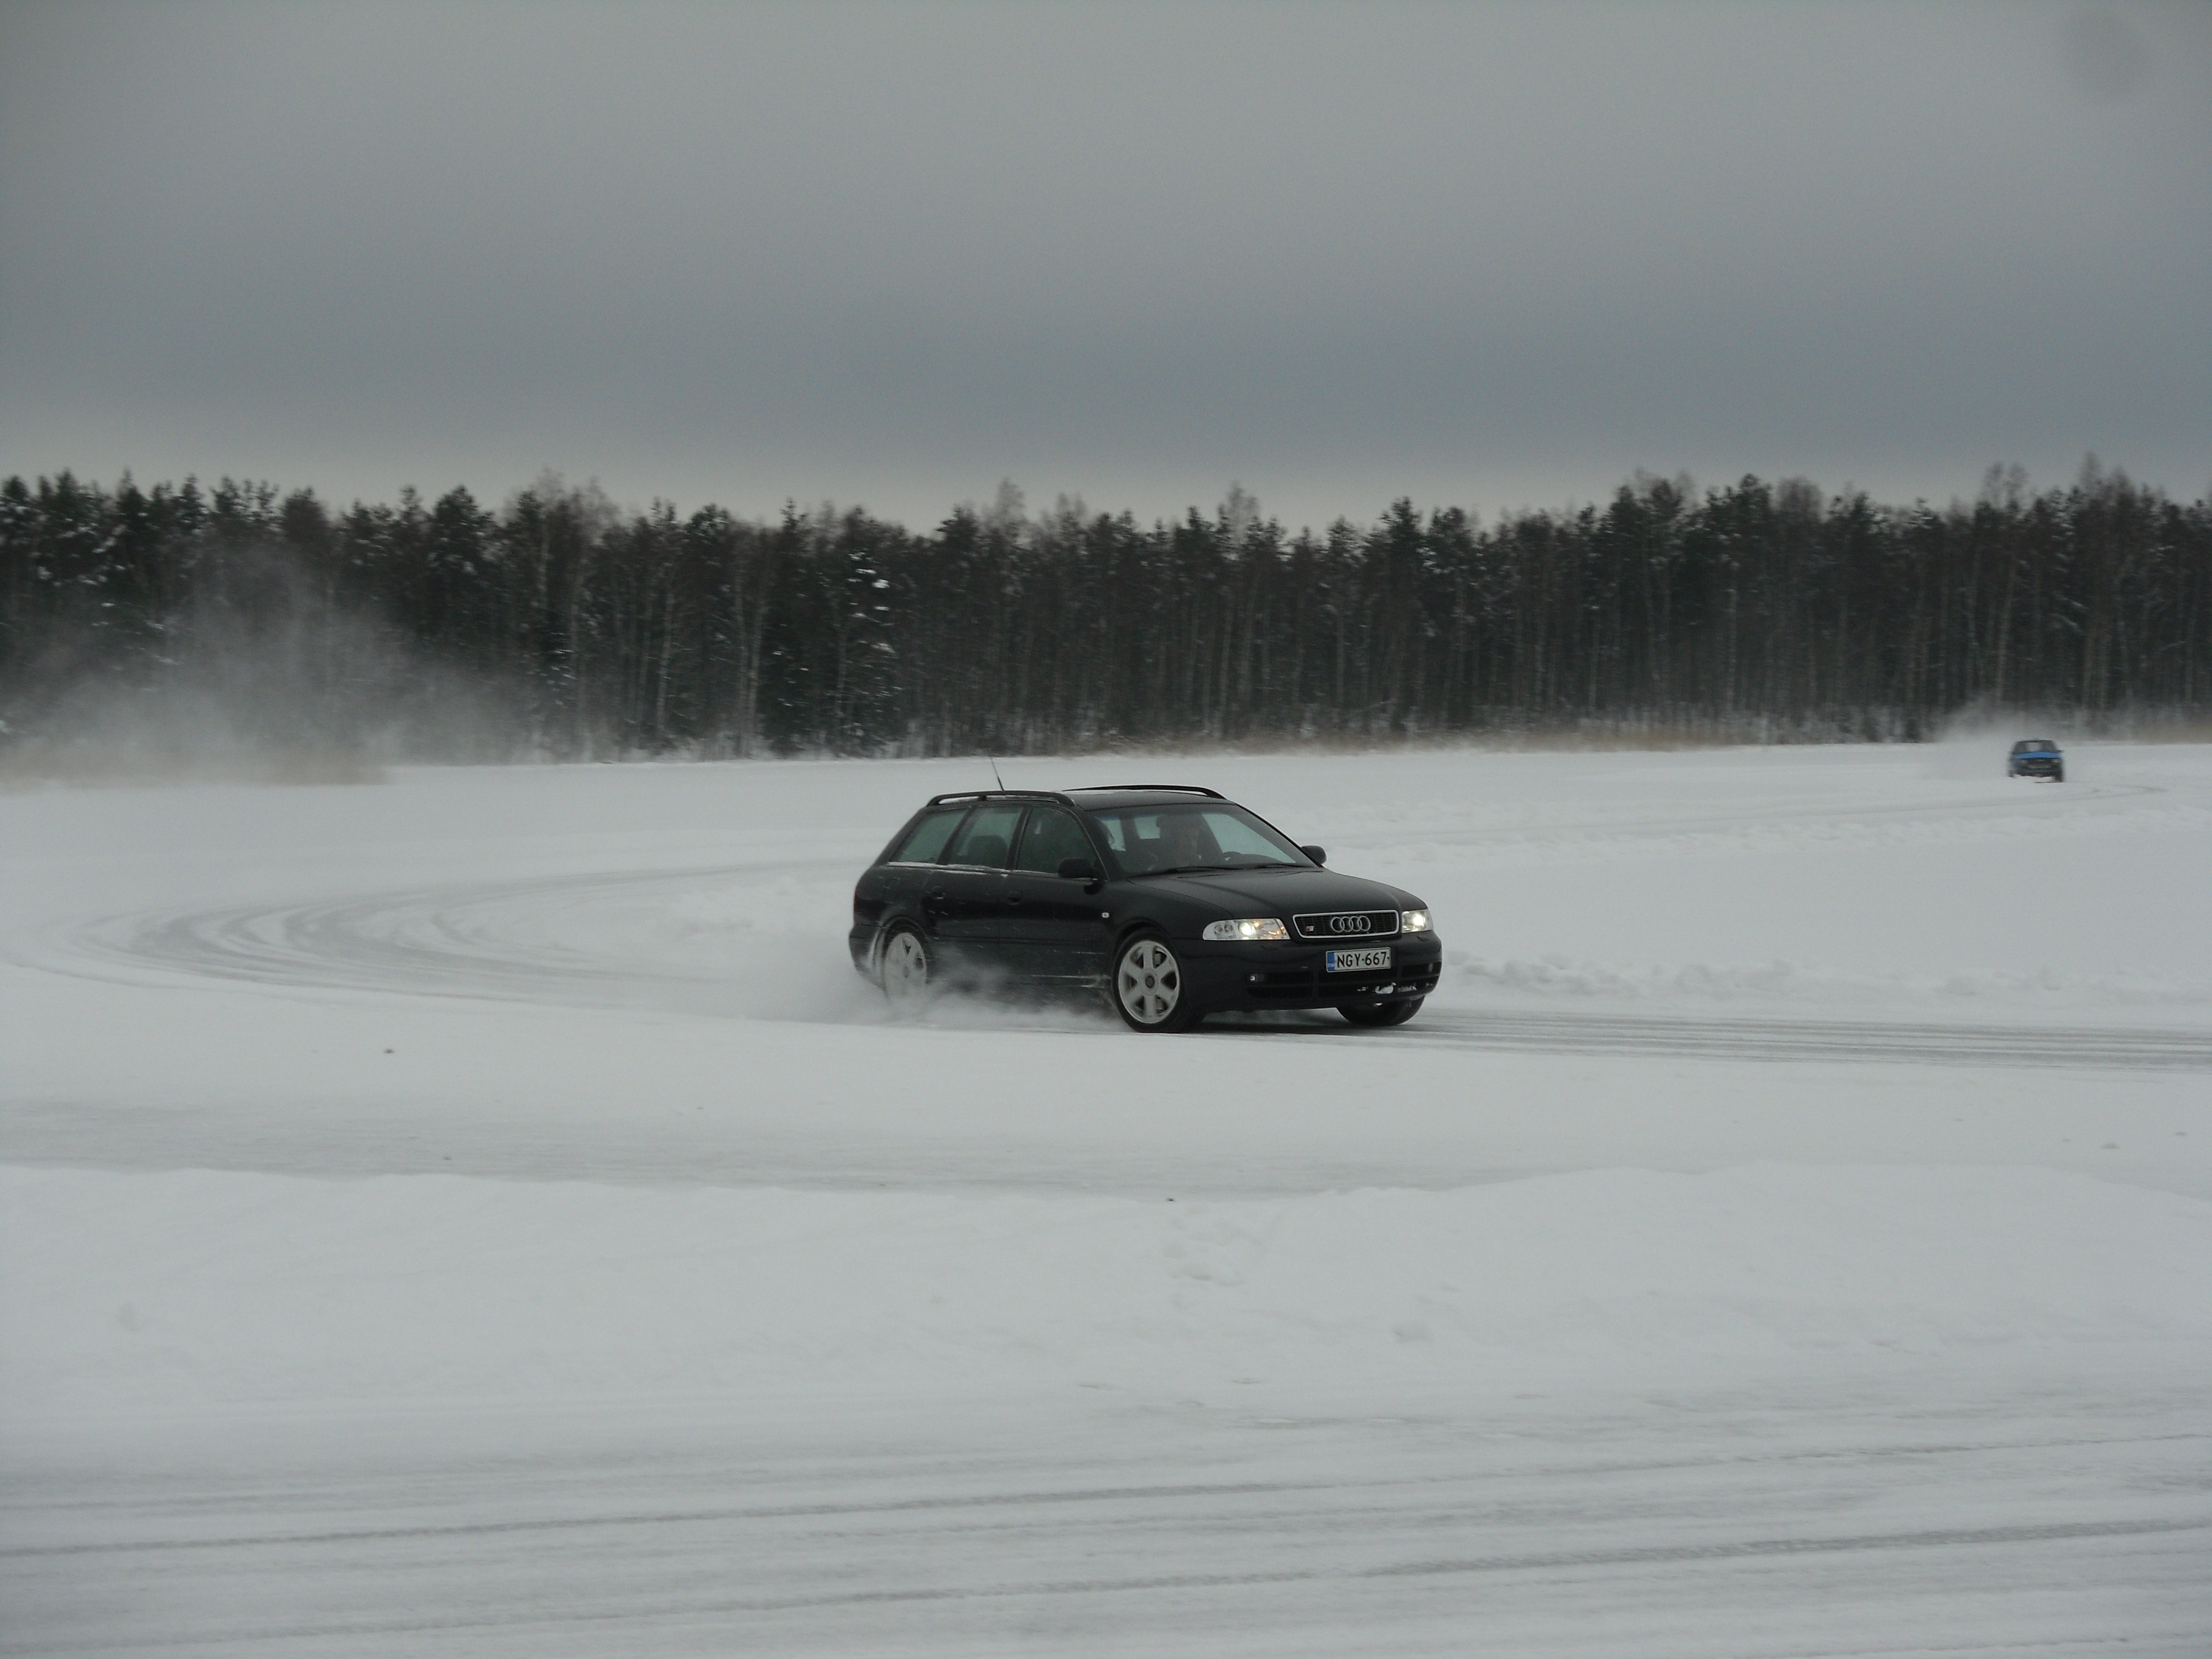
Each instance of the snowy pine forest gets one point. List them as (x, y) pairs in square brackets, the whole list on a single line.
[(560, 626)]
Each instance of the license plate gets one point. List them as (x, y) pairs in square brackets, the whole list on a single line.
[(1357, 962)]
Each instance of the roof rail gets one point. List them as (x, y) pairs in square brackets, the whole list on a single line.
[(1157, 789), (997, 794)]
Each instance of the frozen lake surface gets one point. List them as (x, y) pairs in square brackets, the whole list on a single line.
[(483, 1211)]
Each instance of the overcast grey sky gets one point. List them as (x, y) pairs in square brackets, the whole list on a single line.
[(889, 252)]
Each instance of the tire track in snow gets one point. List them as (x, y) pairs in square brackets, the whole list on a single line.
[(1534, 1562), (2039, 1047), (458, 940), (473, 941), (1080, 1495)]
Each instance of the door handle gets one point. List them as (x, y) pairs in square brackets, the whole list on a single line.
[(1014, 899)]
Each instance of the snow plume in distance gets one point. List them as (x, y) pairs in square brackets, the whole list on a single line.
[(1993, 727), (265, 679), (1975, 741)]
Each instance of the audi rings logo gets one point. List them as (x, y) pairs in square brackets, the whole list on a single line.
[(1346, 924)]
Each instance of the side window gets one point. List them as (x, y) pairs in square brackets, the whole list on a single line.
[(1050, 836), (926, 839), (986, 838)]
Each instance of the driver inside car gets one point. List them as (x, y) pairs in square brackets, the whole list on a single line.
[(1185, 839)]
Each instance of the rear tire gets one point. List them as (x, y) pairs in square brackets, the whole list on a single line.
[(902, 970), (1382, 1013), (1148, 989)]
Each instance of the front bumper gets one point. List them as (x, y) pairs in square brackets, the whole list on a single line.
[(1221, 977)]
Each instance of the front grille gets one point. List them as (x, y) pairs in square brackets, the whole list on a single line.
[(1347, 926)]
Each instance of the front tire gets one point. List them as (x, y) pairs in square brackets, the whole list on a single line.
[(1382, 1013), (904, 970), (1148, 989)]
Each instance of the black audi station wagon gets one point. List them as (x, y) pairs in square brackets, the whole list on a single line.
[(1175, 902)]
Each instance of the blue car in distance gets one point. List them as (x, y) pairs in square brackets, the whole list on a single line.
[(2036, 757)]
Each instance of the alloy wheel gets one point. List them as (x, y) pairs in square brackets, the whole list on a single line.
[(1148, 984), (905, 969)]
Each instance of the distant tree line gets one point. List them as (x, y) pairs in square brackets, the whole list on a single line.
[(1759, 609)]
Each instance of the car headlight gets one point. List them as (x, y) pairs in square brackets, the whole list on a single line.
[(1413, 921), (1248, 927)]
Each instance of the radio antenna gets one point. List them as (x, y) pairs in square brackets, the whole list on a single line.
[(995, 778)]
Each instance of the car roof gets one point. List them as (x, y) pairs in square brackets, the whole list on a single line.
[(1092, 798), (1106, 796)]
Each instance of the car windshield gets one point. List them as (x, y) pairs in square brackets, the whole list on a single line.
[(1150, 841)]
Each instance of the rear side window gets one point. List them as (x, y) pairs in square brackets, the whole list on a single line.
[(987, 837), (926, 840)]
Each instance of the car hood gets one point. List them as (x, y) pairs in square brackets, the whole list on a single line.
[(1281, 892)]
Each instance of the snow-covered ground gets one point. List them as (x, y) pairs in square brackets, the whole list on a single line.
[(482, 1212)]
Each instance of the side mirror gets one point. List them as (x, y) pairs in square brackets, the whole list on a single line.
[(1318, 854), (1078, 870)]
